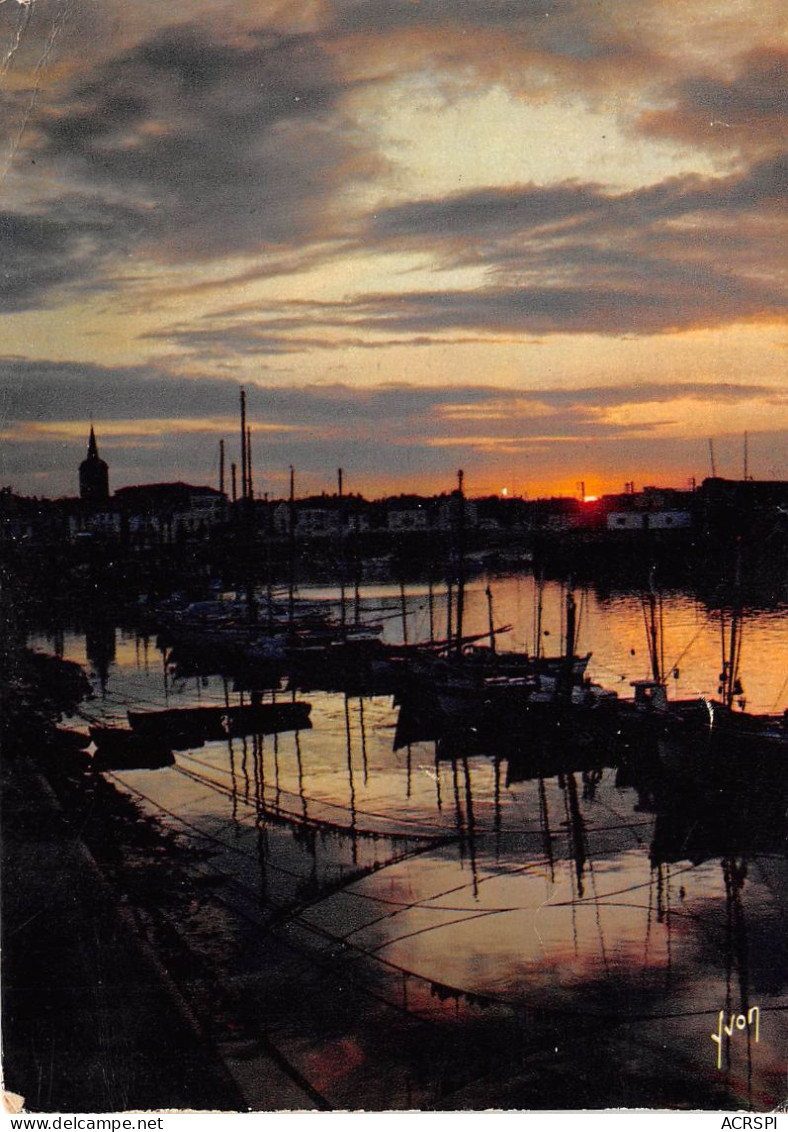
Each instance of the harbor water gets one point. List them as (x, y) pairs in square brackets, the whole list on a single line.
[(412, 924)]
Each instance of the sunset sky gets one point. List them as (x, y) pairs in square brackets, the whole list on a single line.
[(545, 242)]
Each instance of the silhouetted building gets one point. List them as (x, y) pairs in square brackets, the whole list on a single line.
[(319, 516), (652, 509), (93, 475), (169, 512), (755, 510)]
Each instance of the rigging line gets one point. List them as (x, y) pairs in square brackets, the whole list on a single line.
[(433, 830), (251, 892), (448, 839), (623, 822), (780, 693), (314, 929), (325, 934), (687, 648), (706, 922), (188, 756), (430, 928), (293, 913), (229, 846), (500, 874), (313, 822), (362, 952), (221, 788), (332, 805), (617, 892), (425, 904), (318, 959)]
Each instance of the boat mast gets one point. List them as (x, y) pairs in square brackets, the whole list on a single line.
[(460, 558), (539, 611), (569, 638), (244, 466), (488, 592), (403, 612), (653, 617), (341, 502), (731, 663), (448, 611), (291, 555), (571, 621)]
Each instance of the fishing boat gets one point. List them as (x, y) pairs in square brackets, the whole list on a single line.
[(501, 695), (699, 725), (118, 748), (183, 728)]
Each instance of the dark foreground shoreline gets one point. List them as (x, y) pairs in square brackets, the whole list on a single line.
[(92, 1022)]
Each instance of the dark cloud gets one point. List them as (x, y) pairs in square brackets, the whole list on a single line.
[(69, 391), (653, 299), (74, 241), (280, 337), (47, 391), (232, 147), (504, 213), (40, 252), (550, 40), (361, 16), (747, 111), (486, 213), (216, 148), (568, 258)]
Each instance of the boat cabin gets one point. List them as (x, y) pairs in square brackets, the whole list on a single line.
[(650, 694)]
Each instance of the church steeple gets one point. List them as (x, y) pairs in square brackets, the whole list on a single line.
[(93, 474)]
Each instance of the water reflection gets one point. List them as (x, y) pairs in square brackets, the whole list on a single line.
[(100, 648), (527, 923)]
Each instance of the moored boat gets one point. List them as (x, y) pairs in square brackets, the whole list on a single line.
[(118, 748), (188, 727)]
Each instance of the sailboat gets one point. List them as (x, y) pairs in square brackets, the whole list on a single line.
[(697, 725), (532, 694), (731, 725)]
